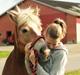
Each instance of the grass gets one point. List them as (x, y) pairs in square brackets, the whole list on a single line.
[(77, 72), (4, 54)]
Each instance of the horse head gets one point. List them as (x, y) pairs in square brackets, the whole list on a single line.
[(28, 24)]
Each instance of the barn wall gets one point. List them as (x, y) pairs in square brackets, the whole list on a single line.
[(6, 25), (47, 14), (71, 28)]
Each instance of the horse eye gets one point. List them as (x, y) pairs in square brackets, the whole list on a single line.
[(24, 30)]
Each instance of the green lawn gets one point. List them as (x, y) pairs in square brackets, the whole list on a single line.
[(4, 54), (77, 72)]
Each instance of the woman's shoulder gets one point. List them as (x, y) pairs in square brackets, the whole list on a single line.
[(61, 50)]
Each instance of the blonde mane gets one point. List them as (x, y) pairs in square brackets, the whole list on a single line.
[(29, 17)]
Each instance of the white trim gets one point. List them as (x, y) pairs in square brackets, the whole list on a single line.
[(78, 32)]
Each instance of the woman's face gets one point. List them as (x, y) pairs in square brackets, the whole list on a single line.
[(50, 42)]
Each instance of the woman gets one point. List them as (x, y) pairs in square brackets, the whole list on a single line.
[(54, 57)]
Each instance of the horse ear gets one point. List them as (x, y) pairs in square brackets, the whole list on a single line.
[(18, 9), (37, 11), (13, 15)]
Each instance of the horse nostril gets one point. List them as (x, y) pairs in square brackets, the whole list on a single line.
[(24, 30)]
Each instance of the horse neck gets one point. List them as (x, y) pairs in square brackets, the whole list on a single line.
[(19, 55)]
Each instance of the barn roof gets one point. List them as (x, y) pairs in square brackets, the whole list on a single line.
[(72, 1), (67, 6), (7, 4)]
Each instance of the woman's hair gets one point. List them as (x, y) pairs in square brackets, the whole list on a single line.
[(57, 28), (61, 23), (53, 32)]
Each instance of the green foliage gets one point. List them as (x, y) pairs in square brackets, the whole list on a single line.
[(4, 54)]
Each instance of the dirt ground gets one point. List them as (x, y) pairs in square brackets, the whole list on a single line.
[(73, 48), (73, 57)]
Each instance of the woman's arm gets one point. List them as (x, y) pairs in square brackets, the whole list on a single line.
[(60, 60), (58, 67)]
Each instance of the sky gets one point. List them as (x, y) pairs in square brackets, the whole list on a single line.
[(7, 4)]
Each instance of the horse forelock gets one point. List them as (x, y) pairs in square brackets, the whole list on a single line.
[(30, 19)]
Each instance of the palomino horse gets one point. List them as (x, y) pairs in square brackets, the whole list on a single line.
[(28, 27)]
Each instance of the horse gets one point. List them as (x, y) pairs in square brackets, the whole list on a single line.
[(27, 27)]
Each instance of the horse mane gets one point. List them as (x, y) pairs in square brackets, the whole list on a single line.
[(28, 16)]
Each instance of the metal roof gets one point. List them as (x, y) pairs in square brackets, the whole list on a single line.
[(67, 7), (7, 4), (72, 1)]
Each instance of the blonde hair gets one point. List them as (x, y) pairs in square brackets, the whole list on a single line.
[(62, 23), (56, 29)]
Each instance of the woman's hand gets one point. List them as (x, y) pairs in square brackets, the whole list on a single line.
[(46, 53), (27, 50), (29, 54), (32, 57)]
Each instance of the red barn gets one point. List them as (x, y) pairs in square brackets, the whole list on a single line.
[(49, 10)]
